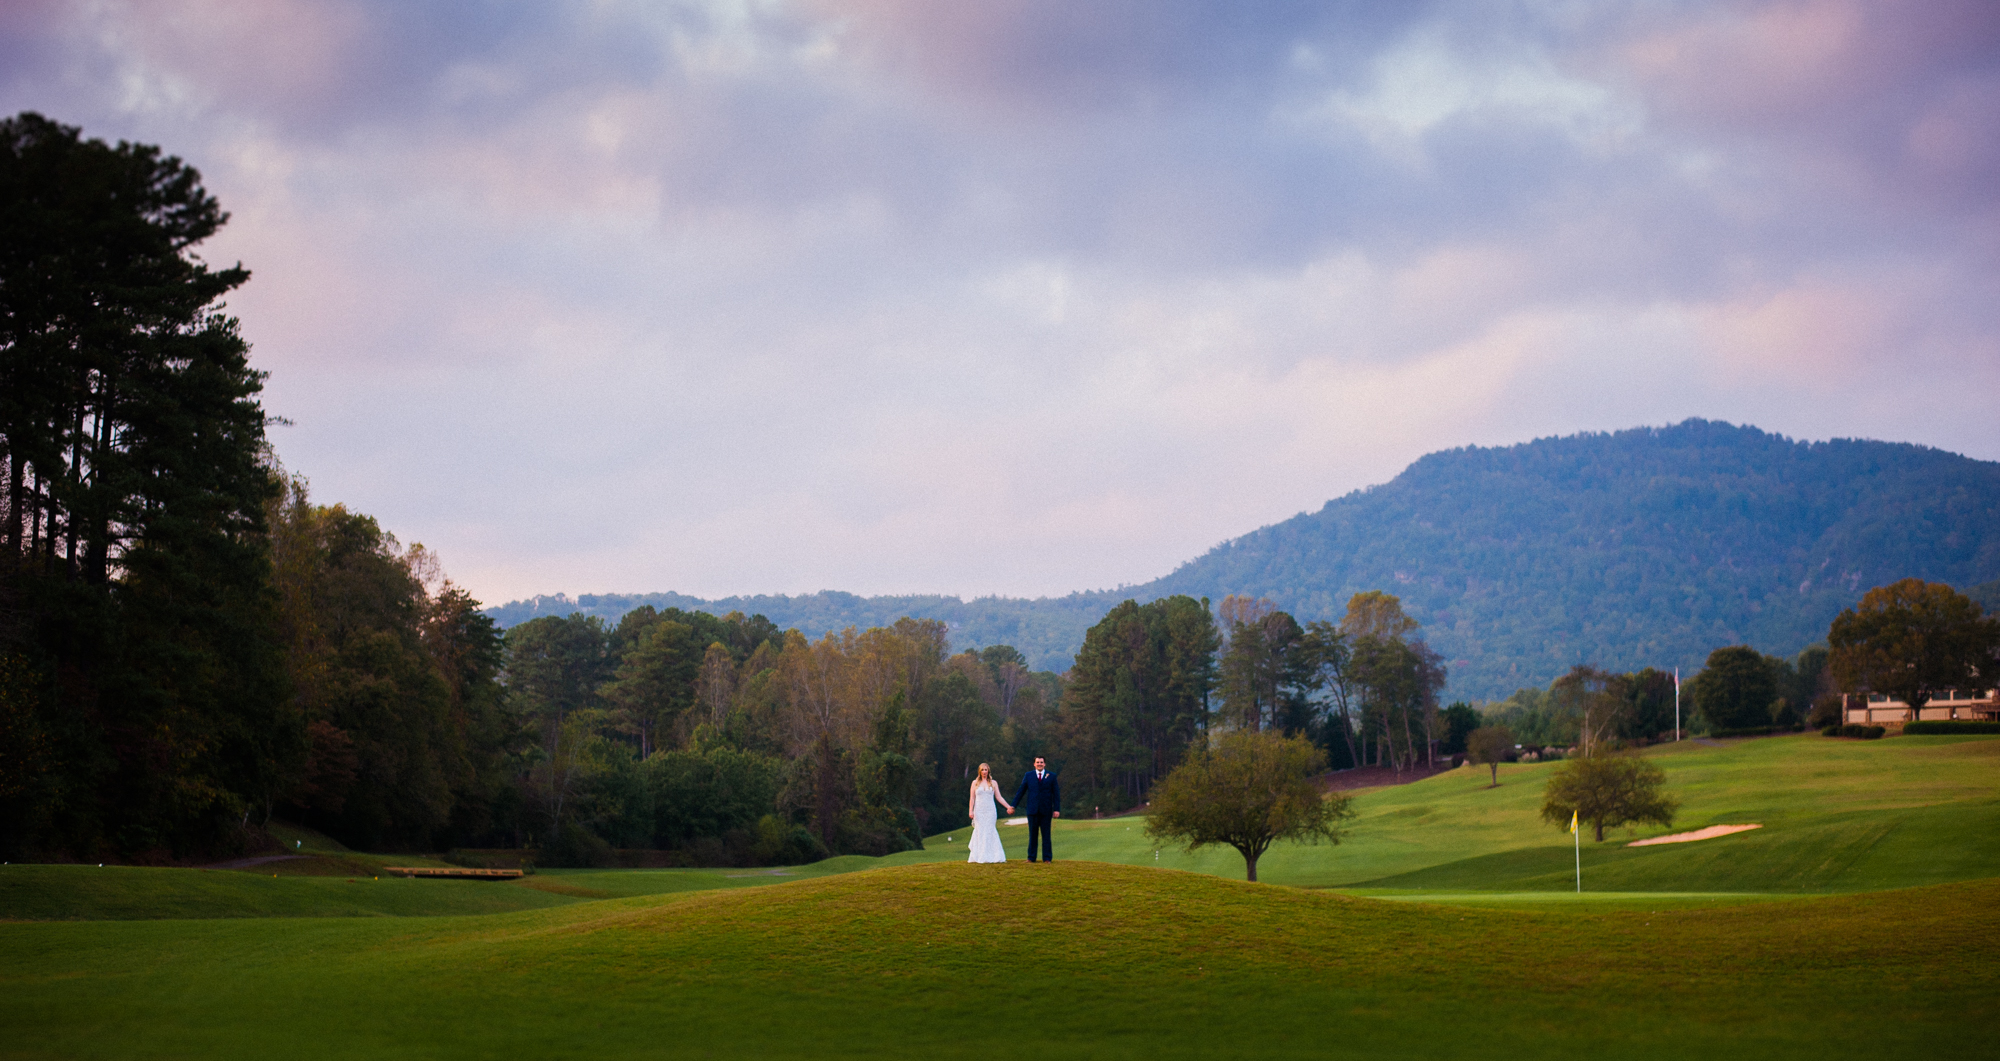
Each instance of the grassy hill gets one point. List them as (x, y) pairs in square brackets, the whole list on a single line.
[(1101, 954), (1647, 547), (1069, 960), (1837, 816)]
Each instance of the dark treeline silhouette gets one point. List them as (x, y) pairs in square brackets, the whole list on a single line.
[(142, 680)]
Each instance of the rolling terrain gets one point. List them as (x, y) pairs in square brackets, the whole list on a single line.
[(1444, 926), (1070, 960)]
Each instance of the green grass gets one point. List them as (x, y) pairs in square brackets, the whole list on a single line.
[(1477, 946), (1071, 960), (1591, 902), (61, 893), (1838, 816)]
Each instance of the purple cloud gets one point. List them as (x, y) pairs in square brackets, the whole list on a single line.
[(1032, 296)]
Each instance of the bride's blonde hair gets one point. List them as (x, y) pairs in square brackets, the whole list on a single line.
[(985, 773)]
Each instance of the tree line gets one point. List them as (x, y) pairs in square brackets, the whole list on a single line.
[(725, 735), (142, 681), (1154, 680), (1909, 640), (190, 645)]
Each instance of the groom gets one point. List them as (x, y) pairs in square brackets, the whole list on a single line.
[(1040, 798)]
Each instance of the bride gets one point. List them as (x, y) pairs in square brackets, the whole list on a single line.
[(985, 836)]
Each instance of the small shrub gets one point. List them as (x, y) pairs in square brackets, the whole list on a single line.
[(1856, 731), (1745, 731), (576, 847), (1941, 727)]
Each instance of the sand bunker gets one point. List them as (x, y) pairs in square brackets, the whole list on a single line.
[(1709, 833)]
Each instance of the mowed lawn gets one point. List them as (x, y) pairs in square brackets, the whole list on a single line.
[(1714, 948), (1071, 960), (1837, 816)]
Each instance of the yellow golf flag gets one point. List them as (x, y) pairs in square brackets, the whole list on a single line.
[(1572, 821)]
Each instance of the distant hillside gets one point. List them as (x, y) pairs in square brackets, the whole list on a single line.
[(1643, 547), (1047, 630)]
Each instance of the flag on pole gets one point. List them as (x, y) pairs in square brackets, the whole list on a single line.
[(1579, 850)]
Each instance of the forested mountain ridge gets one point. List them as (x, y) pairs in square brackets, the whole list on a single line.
[(1646, 547)]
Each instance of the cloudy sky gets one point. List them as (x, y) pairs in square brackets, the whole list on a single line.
[(1029, 296)]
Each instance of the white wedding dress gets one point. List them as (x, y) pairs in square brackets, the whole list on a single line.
[(985, 831)]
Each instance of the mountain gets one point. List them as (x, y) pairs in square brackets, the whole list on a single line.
[(1647, 547), (1643, 547)]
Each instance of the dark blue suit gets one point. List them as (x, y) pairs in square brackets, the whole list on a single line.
[(1039, 798)]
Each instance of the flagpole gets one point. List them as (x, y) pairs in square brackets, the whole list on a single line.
[(1579, 849), (1677, 703)]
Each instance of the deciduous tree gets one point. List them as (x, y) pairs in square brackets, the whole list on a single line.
[(1607, 791), (1490, 746), (1249, 791), (1266, 669), (1398, 676), (1911, 640), (1596, 699), (1736, 688)]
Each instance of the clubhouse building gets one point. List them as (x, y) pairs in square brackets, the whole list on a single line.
[(1875, 709)]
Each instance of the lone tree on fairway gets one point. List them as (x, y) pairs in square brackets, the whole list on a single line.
[(1608, 790), (1249, 791), (1490, 745), (1911, 640)]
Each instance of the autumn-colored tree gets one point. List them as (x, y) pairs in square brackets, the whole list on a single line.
[(1490, 746), (1010, 674), (1398, 676), (1911, 640), (824, 718), (716, 686), (1596, 699), (1249, 791)]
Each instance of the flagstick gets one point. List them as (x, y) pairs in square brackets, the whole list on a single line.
[(1677, 703), (1578, 833)]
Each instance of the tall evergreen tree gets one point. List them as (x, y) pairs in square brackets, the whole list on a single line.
[(132, 498), (1138, 696)]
